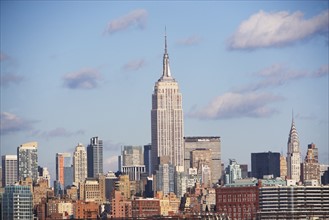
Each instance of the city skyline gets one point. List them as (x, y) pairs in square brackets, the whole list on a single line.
[(65, 79)]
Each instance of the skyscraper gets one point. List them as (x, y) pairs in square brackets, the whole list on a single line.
[(267, 163), (212, 143), (79, 164), (63, 169), (167, 118), (9, 169), (27, 159), (293, 154), (147, 159), (232, 172), (17, 202), (310, 169), (95, 157)]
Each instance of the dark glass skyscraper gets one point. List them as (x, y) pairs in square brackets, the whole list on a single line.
[(267, 163), (95, 157)]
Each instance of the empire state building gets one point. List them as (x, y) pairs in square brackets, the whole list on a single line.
[(167, 118)]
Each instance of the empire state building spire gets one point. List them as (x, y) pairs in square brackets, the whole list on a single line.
[(166, 69)]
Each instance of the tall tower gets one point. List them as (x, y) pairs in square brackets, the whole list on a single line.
[(9, 169), (95, 157), (167, 118), (27, 161), (293, 154), (64, 173), (79, 164)]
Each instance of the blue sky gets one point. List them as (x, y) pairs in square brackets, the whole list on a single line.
[(73, 70)]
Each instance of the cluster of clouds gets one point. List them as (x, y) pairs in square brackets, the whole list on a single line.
[(86, 78), (11, 123), (136, 18), (251, 100), (277, 29)]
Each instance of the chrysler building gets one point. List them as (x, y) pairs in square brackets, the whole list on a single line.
[(167, 118), (293, 154)]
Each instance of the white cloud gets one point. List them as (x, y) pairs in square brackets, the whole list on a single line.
[(192, 40), (134, 65), (278, 75), (111, 163), (137, 18), (236, 105), (82, 79), (265, 29), (11, 123)]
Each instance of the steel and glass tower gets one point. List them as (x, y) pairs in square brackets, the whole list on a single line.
[(167, 118), (95, 157), (27, 161)]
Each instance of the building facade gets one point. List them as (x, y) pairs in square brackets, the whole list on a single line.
[(293, 154), (27, 159), (64, 175), (147, 159), (232, 172), (167, 118), (212, 143), (240, 202), (267, 163), (9, 169), (79, 164), (17, 202), (95, 157), (283, 167), (294, 202), (310, 168)]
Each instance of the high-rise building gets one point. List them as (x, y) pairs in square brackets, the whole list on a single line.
[(232, 172), (44, 174), (165, 176), (17, 202), (310, 169), (132, 155), (9, 169), (293, 154), (267, 163), (204, 142), (27, 160), (147, 159), (63, 169), (167, 118), (95, 157), (283, 167), (201, 160), (79, 164)]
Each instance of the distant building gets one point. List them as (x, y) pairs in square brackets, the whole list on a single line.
[(93, 190), (132, 162), (232, 172), (294, 202), (293, 154), (267, 163), (9, 170), (310, 168), (147, 159), (165, 179), (79, 164), (283, 167), (244, 171), (212, 143), (17, 202), (240, 202), (143, 208), (44, 174), (95, 157), (27, 160), (64, 170), (120, 206), (85, 210), (167, 120)]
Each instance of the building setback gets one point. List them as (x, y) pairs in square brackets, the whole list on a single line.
[(167, 118), (79, 164)]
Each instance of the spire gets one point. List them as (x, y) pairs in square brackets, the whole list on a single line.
[(166, 69)]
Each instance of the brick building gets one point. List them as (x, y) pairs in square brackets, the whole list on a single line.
[(145, 207)]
